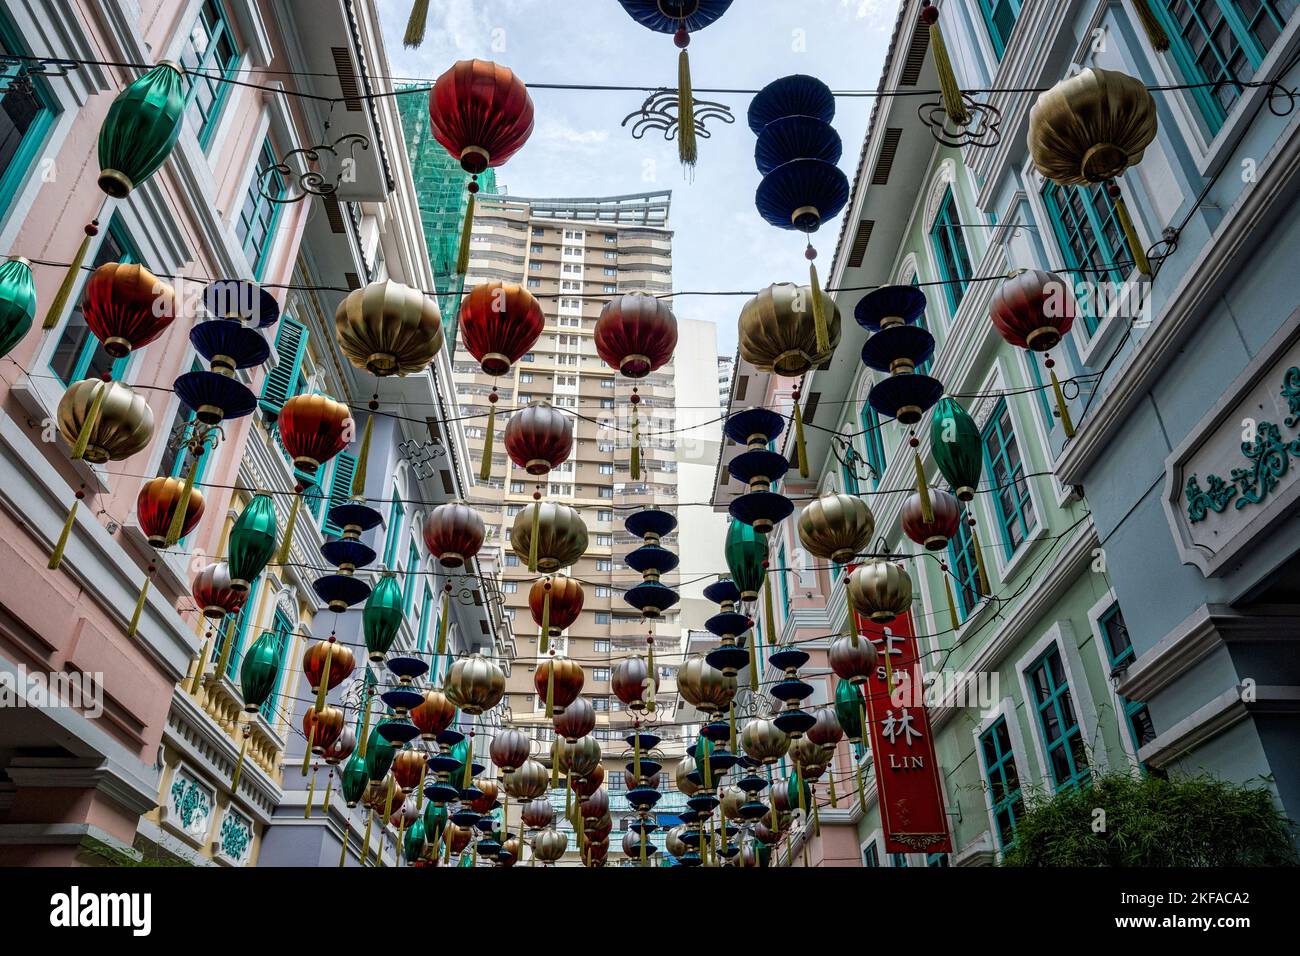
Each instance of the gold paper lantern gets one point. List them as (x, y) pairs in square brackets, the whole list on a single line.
[(777, 331), (764, 741), (836, 527), (389, 328), (681, 776), (561, 536), (880, 590), (579, 758), (1090, 127), (703, 686), (475, 684), (529, 782), (549, 845), (121, 426)]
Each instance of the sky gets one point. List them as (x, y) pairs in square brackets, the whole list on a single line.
[(578, 148)]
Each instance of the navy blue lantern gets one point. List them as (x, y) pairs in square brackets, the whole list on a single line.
[(804, 136), (402, 699), (728, 625), (791, 691), (897, 346), (651, 597), (229, 345), (241, 301), (347, 553), (794, 95), (214, 397), (759, 468), (888, 306)]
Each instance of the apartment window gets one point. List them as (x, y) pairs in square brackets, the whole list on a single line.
[(611, 254), (611, 237), (616, 780), (534, 283), (536, 247), (610, 271), (606, 383), (604, 564), (606, 469), (604, 591), (602, 617), (509, 587), (605, 492), (605, 514), (259, 215), (600, 673), (874, 444), (1003, 781), (1120, 653), (871, 855), (512, 560), (535, 266), (601, 647), (529, 357), (898, 859), (1014, 505), (1223, 42), (78, 353), (600, 704), (25, 118), (210, 56), (395, 512), (936, 859), (609, 288), (1000, 18), (516, 487), (1089, 236), (1057, 721), (538, 231), (965, 571), (950, 251)]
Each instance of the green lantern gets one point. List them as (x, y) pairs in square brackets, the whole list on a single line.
[(259, 670), (435, 821), (414, 842), (800, 801), (763, 853), (353, 779), (252, 542), (17, 302), (382, 618), (704, 763), (141, 128), (957, 446), (745, 551), (848, 710), (379, 756)]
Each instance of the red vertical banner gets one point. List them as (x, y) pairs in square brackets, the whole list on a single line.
[(908, 789)]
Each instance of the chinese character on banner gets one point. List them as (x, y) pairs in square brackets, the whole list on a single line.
[(907, 774)]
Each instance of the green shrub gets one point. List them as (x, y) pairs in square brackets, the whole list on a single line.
[(1151, 821)]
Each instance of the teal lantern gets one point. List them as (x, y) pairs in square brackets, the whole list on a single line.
[(252, 542), (797, 792), (353, 779), (848, 710), (745, 551), (259, 671), (379, 756), (140, 129), (17, 302), (414, 841), (957, 446), (435, 820), (382, 618), (763, 852)]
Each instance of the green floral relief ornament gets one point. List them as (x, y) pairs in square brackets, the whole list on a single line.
[(353, 779), (17, 302), (382, 618), (379, 756), (141, 128), (259, 670), (745, 551), (236, 837), (957, 447), (252, 541)]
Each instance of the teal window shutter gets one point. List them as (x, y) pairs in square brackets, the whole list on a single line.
[(282, 629), (282, 381), (426, 608), (345, 467), (312, 493)]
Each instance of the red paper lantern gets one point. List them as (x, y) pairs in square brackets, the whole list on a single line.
[(1033, 310), (156, 505), (454, 533), (341, 660), (590, 783), (636, 334), (578, 719), (313, 429), (434, 715), (566, 602), (942, 526), (539, 437), (323, 728), (567, 684), (127, 307), (408, 766), (213, 593), (481, 113), (499, 322)]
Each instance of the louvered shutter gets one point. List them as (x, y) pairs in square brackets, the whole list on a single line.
[(290, 344), (345, 466)]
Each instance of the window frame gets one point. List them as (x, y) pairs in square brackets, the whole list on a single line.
[(1077, 728), (987, 13), (194, 75), (37, 135), (266, 157), (994, 424), (955, 282), (1010, 798)]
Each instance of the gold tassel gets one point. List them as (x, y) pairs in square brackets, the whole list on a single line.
[(311, 794), (767, 607), (981, 571), (635, 464), (550, 691), (400, 846), (568, 795), (388, 807), (953, 104), (226, 647), (177, 524), (239, 764), (800, 446), (365, 735), (442, 625), (485, 467), (830, 785), (816, 817), (731, 720), (415, 25), (324, 687), (1062, 409), (329, 789), (687, 150), (819, 312), (199, 667), (469, 765), (343, 854), (92, 419), (365, 853), (61, 297), (1155, 31), (922, 488), (139, 608), (544, 639), (56, 557), (462, 258), (446, 844), (419, 791), (286, 543), (306, 754), (753, 662), (1130, 233), (363, 459), (537, 533), (555, 762), (952, 605)]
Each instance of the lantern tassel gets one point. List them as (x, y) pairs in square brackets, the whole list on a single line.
[(981, 571), (199, 665), (1067, 423), (952, 606), (306, 753), (365, 853), (311, 795), (1130, 232), (800, 445), (365, 735), (239, 764), (687, 149), (60, 300), (555, 762), (635, 464), (329, 789), (922, 488), (388, 810), (1155, 31), (536, 534), (139, 608), (324, 687), (419, 790), (226, 647), (544, 639), (92, 419), (56, 557), (731, 721), (767, 607), (953, 104), (286, 543), (830, 784), (467, 228), (819, 312), (177, 524), (550, 691), (469, 764), (816, 817), (442, 624), (415, 25), (485, 467), (363, 459)]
